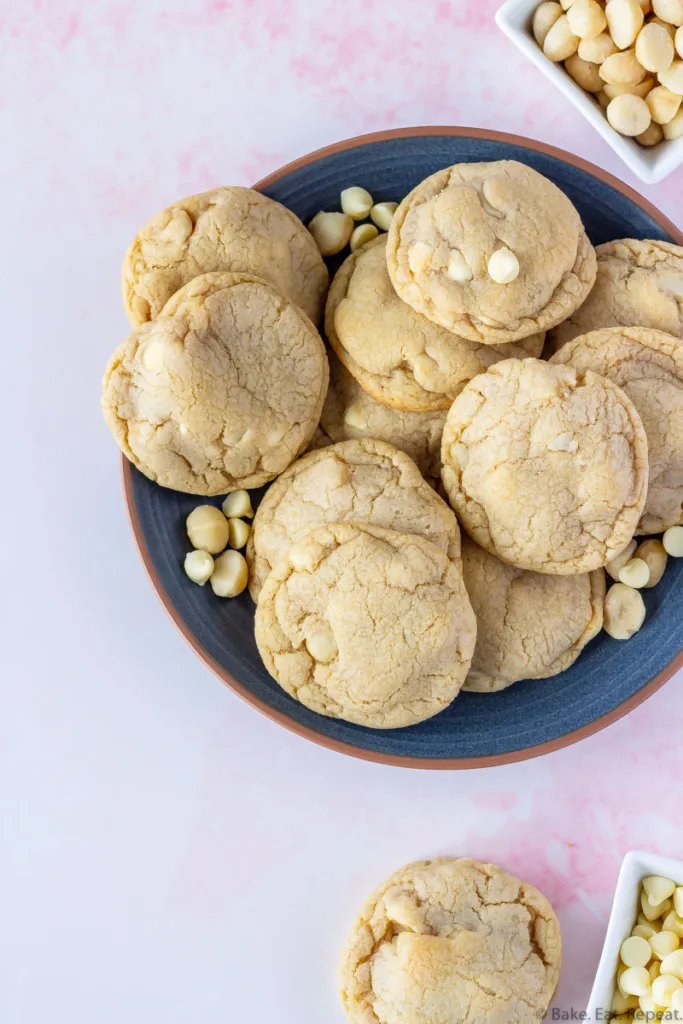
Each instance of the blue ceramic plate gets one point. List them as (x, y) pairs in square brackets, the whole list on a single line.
[(530, 718)]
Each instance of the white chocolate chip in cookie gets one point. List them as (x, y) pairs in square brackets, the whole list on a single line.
[(458, 267), (356, 202), (503, 266), (629, 115), (322, 645), (419, 256), (625, 20), (153, 356), (563, 443), (545, 16), (624, 615)]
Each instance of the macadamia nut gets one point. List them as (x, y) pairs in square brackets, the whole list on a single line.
[(654, 48), (629, 115), (624, 615), (584, 73), (230, 574), (673, 129), (382, 214), (620, 560), (560, 42), (356, 202), (622, 69), (625, 20), (587, 19), (669, 10), (652, 136), (207, 529), (663, 104), (361, 235), (672, 78), (239, 533), (597, 50), (544, 18), (653, 554), (198, 566), (331, 231), (238, 504)]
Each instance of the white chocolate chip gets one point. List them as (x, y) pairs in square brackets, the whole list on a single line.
[(678, 41), (670, 11), (622, 69), (238, 504), (635, 981), (644, 931), (657, 889), (629, 115), (654, 48), (239, 533), (331, 231), (624, 615), (153, 356), (641, 89), (671, 283), (566, 4), (652, 136), (663, 104), (654, 970), (322, 645), (207, 529), (672, 964), (652, 552), (672, 542), (621, 559), (625, 20), (419, 255), (356, 202), (648, 1007), (503, 266), (603, 99), (361, 235), (635, 573), (651, 912), (597, 50), (678, 900), (354, 418), (586, 19), (622, 1003), (303, 557), (672, 78), (458, 267), (198, 566), (178, 229), (664, 986), (673, 923), (230, 575), (674, 129), (584, 73), (545, 16), (663, 943), (560, 42), (635, 952), (677, 1002), (382, 214), (563, 443)]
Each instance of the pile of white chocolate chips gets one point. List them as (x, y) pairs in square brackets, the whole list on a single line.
[(627, 54)]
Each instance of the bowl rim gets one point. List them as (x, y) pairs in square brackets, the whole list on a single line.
[(400, 760)]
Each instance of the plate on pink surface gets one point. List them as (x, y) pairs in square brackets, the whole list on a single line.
[(532, 717)]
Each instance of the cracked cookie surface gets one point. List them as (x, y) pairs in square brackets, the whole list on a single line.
[(648, 366), (546, 466), (350, 412), (223, 393), (397, 355), (368, 625), (451, 940), (529, 625), (361, 481), (445, 231), (638, 283), (234, 229)]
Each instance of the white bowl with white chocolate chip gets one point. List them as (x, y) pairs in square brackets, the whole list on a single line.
[(635, 914), (651, 163)]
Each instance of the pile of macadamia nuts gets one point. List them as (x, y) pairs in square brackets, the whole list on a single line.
[(634, 569), (627, 54), (333, 231), (211, 530)]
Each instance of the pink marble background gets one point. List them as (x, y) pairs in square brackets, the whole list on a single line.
[(166, 854)]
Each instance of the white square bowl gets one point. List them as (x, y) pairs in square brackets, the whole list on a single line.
[(635, 866), (651, 165)]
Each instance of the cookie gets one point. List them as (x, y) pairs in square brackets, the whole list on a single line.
[(368, 625), (234, 229), (648, 366), (360, 481), (451, 940), (546, 466), (446, 231), (397, 355), (350, 412), (529, 625), (222, 394), (638, 283)]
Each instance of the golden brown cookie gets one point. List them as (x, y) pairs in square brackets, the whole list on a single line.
[(222, 394), (450, 940), (648, 366), (368, 625), (360, 481), (350, 412), (234, 229), (529, 625), (448, 233), (639, 283), (397, 355), (546, 466)]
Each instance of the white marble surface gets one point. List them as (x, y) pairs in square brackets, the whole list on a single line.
[(167, 855)]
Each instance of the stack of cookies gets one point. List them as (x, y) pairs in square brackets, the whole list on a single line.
[(369, 607)]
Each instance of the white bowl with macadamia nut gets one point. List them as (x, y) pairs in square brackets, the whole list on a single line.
[(640, 974), (620, 63)]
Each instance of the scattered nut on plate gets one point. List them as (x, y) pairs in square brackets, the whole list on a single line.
[(626, 55)]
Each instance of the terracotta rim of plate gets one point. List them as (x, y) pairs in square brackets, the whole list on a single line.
[(301, 730)]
